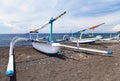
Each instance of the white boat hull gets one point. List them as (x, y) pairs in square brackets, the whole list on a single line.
[(108, 41), (83, 41), (46, 47)]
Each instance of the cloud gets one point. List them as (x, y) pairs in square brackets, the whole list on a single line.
[(19, 15), (80, 8), (116, 27)]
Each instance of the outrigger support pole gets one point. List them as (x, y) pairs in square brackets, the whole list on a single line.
[(83, 49), (87, 49), (10, 68)]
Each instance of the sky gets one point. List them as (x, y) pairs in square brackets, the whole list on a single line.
[(21, 16)]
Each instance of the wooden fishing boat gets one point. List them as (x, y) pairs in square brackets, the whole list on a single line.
[(85, 40), (48, 48), (114, 39), (107, 41), (81, 40)]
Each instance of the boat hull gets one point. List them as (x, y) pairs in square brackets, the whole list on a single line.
[(46, 48), (108, 41), (84, 41)]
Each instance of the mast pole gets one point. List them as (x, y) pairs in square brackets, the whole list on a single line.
[(51, 30)]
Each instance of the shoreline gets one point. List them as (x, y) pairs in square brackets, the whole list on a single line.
[(16, 46)]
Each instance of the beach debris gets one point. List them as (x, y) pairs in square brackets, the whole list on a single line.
[(28, 57), (79, 57)]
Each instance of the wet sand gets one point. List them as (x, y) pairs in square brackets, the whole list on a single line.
[(72, 65)]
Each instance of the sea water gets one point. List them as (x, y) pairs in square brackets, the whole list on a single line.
[(5, 39)]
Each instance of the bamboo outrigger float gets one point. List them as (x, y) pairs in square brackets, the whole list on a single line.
[(47, 47), (10, 67)]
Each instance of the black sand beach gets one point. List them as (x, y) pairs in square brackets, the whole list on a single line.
[(72, 65)]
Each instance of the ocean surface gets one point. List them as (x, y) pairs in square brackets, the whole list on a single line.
[(5, 39)]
